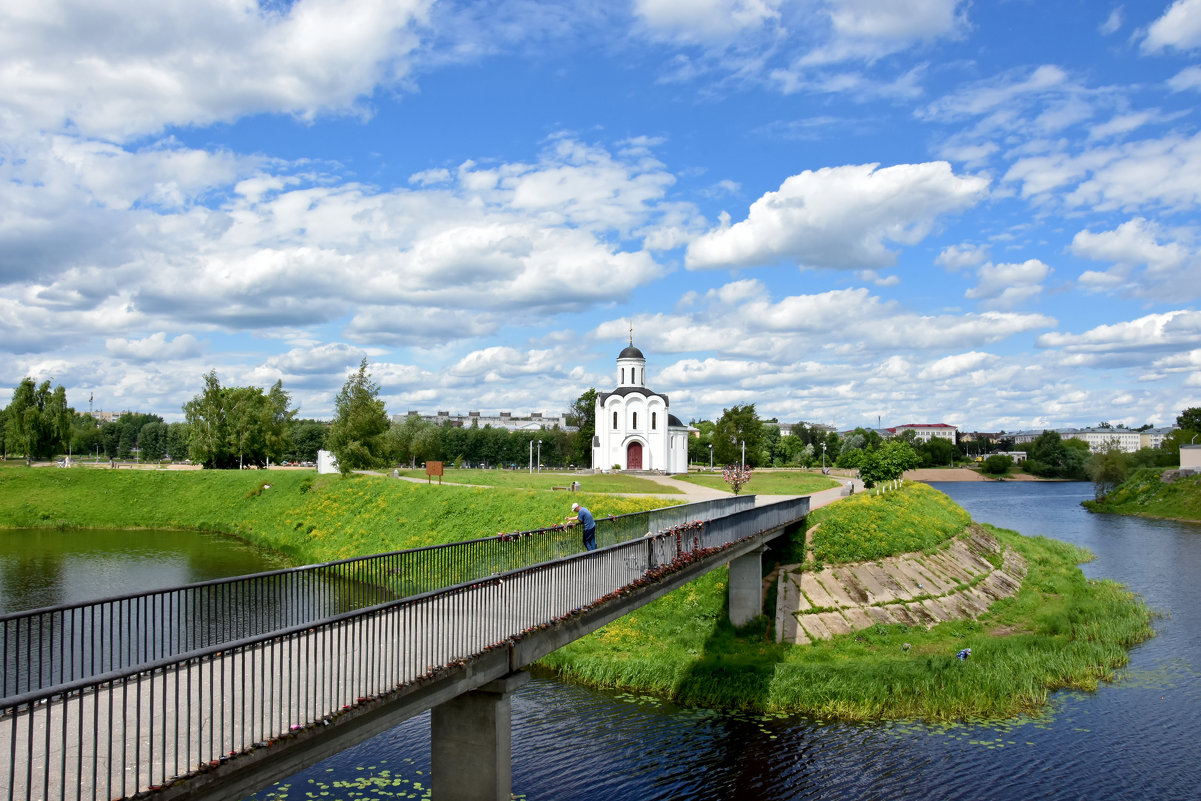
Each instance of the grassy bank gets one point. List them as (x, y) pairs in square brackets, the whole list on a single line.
[(1060, 631), (1145, 494), (784, 482), (309, 518)]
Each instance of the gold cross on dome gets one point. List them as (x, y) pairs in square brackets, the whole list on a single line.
[(631, 333)]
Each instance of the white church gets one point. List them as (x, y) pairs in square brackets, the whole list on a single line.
[(634, 430)]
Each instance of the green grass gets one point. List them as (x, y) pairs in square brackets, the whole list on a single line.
[(523, 479), (863, 527), (1146, 495), (309, 518), (776, 482)]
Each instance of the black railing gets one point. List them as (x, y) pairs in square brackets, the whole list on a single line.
[(61, 644), (131, 730)]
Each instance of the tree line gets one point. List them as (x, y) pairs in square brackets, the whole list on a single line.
[(233, 427)]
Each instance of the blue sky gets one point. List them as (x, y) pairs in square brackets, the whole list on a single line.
[(843, 211)]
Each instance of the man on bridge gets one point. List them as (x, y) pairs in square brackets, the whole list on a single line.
[(585, 517)]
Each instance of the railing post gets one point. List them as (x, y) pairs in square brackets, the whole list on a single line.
[(471, 743)]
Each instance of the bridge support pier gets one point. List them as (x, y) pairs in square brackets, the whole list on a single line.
[(746, 587), (471, 743)]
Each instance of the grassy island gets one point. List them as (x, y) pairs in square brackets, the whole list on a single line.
[(1060, 631), (1146, 493)]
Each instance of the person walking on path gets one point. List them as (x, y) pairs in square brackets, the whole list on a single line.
[(582, 515)]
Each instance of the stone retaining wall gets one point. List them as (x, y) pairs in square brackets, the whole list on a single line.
[(914, 589)]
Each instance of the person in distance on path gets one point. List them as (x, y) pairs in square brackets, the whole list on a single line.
[(582, 515)]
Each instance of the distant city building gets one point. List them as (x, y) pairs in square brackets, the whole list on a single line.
[(786, 429), (534, 421), (109, 417), (981, 436), (925, 432), (1154, 437), (1098, 439)]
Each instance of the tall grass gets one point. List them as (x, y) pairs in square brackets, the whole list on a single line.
[(864, 527)]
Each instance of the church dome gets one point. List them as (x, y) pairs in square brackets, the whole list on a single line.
[(631, 353)]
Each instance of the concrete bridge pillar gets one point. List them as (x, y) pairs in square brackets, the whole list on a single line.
[(746, 587), (471, 743)]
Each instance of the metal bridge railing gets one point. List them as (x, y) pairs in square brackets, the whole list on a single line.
[(61, 644), (131, 730)]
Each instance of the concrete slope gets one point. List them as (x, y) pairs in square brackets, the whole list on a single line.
[(959, 581)]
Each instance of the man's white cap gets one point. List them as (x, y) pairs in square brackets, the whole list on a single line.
[(575, 506)]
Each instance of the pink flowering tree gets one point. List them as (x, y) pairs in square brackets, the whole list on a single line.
[(736, 477)]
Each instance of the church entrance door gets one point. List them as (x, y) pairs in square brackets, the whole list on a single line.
[(634, 456)]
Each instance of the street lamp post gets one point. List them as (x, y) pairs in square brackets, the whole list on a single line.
[(539, 456), (710, 457), (743, 465), (823, 458), (531, 457)]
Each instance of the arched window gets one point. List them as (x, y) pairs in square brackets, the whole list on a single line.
[(634, 424), (614, 421), (623, 375), (654, 420)]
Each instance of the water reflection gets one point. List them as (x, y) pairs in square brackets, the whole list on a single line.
[(45, 567)]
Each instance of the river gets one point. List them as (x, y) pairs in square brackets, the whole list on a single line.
[(1134, 739)]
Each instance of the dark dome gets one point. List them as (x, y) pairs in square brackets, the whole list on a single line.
[(631, 353)]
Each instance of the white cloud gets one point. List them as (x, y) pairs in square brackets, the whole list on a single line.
[(297, 249), (1004, 286), (155, 347), (1178, 28), (960, 257), (1113, 23), (706, 20), (1154, 332), (955, 365), (841, 217), (1171, 271), (866, 29), (116, 70), (1187, 79)]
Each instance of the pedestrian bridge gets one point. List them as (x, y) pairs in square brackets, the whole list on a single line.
[(216, 690)]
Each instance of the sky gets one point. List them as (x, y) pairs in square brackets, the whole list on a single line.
[(851, 212)]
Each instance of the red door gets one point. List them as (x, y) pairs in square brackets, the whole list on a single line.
[(634, 456)]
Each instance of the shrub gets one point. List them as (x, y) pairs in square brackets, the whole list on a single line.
[(997, 464)]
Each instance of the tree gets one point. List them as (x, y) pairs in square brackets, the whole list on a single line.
[(888, 462), (37, 420), (357, 436), (738, 425), (234, 426), (582, 414), (1190, 419), (1108, 469), (997, 464)]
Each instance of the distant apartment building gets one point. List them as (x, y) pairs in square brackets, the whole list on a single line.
[(786, 429), (109, 417), (1154, 437), (924, 432), (533, 421), (1098, 439)]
